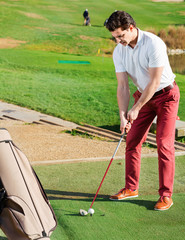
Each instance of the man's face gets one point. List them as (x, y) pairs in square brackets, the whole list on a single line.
[(123, 36)]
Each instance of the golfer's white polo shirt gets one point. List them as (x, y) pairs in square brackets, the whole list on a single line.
[(149, 52)]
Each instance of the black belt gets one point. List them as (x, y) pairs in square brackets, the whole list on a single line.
[(166, 89)]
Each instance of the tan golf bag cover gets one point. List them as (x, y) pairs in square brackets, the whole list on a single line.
[(25, 210)]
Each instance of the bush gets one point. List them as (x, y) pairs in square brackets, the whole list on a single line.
[(162, 34), (173, 36)]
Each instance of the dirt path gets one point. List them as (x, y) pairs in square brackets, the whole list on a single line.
[(47, 143)]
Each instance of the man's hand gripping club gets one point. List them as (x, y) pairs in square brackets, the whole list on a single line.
[(127, 123)]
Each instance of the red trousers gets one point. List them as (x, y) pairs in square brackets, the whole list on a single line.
[(165, 107)]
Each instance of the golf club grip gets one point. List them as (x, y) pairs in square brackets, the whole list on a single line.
[(107, 169)]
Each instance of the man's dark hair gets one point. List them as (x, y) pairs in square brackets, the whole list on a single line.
[(119, 19)]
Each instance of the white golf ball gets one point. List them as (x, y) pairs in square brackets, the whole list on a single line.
[(91, 211)]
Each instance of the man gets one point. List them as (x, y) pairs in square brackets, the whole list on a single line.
[(86, 18), (142, 56)]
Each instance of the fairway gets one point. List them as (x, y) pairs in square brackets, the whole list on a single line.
[(36, 35)]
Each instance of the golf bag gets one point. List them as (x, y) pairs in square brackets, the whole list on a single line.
[(25, 212), (87, 21)]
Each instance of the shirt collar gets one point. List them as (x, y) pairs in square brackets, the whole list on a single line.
[(140, 37)]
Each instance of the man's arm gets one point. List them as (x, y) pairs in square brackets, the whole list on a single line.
[(155, 78), (123, 97)]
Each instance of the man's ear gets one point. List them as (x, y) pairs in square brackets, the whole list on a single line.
[(131, 27)]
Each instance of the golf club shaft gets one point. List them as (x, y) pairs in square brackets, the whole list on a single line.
[(107, 168)]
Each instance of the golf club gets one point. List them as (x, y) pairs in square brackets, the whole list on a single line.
[(91, 210)]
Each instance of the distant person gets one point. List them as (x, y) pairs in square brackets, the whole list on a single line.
[(86, 18), (142, 56)]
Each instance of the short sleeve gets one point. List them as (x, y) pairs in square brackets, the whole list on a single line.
[(157, 53), (117, 59)]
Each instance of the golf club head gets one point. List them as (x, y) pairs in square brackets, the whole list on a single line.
[(83, 212)]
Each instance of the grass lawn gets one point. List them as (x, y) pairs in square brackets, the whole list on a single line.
[(83, 93), (31, 76), (56, 25), (129, 219)]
